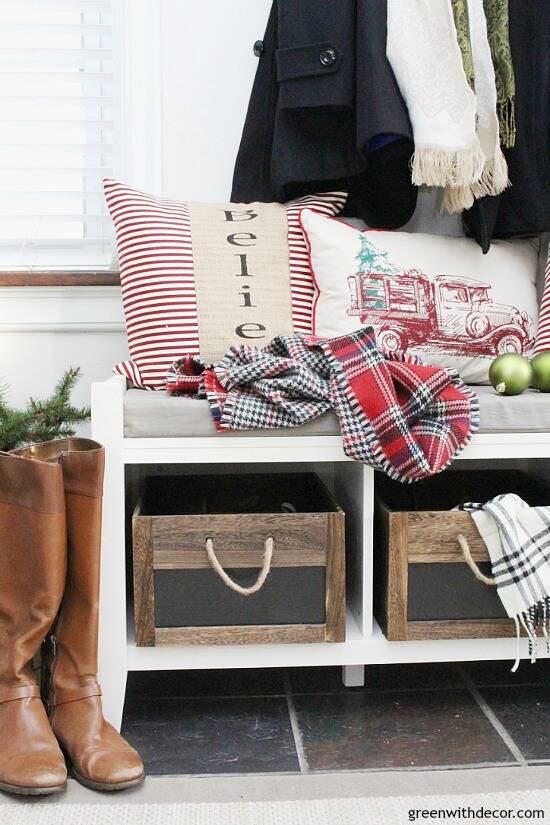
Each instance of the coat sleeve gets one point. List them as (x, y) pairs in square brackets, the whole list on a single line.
[(315, 58), (380, 107)]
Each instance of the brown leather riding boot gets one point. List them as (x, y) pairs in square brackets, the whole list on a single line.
[(100, 758), (32, 575)]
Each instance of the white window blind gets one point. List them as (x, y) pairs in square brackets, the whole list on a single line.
[(58, 72)]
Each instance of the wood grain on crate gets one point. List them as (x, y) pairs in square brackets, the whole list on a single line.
[(144, 586), (198, 560), (462, 629), (432, 537), (293, 532), (335, 602), (253, 634), (398, 577)]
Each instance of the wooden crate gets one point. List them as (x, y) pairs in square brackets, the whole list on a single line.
[(177, 595), (423, 588)]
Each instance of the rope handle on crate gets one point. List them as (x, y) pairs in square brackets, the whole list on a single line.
[(468, 558), (233, 585)]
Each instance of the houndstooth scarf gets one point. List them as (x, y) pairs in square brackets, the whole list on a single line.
[(399, 416), (518, 541)]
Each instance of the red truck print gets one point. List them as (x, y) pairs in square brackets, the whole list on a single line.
[(410, 309)]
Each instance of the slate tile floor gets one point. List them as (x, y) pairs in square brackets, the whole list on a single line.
[(276, 721)]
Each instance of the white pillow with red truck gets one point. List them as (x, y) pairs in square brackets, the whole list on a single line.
[(436, 297)]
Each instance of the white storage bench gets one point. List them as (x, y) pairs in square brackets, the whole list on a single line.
[(150, 432)]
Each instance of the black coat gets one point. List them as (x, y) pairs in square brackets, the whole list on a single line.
[(524, 208), (325, 96), (323, 91)]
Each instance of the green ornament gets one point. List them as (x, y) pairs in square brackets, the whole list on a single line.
[(510, 374), (541, 371)]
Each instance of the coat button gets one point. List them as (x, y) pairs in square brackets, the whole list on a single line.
[(328, 57), (259, 48)]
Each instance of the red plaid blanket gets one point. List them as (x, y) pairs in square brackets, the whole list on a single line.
[(398, 415)]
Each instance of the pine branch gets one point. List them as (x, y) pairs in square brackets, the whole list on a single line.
[(14, 424), (42, 420), (66, 385)]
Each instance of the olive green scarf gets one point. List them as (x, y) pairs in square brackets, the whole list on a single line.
[(496, 13), (462, 23)]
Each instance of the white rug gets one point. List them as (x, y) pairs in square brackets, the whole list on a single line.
[(354, 811)]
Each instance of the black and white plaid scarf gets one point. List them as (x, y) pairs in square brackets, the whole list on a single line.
[(518, 540)]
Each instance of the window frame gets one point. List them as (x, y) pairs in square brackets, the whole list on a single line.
[(136, 25), (61, 277)]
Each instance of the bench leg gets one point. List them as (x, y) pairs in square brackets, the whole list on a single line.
[(353, 675), (107, 428)]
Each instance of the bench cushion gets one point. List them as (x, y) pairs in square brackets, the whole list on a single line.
[(158, 415)]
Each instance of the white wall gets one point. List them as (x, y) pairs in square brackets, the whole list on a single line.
[(45, 330), (32, 362), (206, 69)]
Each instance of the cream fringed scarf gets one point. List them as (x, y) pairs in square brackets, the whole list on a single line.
[(494, 178), (455, 131)]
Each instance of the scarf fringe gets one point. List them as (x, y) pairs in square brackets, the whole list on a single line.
[(456, 199), (534, 621), (447, 167), (493, 181)]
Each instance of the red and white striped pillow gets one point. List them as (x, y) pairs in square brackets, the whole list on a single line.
[(542, 343), (155, 251)]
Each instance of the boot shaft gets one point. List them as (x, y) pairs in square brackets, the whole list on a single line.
[(100, 757), (78, 623), (32, 561), (72, 653)]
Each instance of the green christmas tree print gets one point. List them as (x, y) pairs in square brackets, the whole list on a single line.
[(371, 259)]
